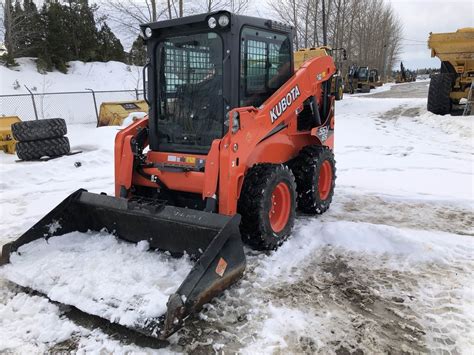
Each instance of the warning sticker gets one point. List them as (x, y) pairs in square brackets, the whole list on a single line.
[(221, 266), (173, 158)]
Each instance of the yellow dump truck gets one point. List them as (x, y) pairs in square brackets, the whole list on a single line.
[(456, 52), (302, 55)]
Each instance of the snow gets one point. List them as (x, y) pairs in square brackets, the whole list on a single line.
[(99, 275), (26, 320), (94, 75), (388, 268), (78, 105)]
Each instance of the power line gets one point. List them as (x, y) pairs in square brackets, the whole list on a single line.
[(413, 40)]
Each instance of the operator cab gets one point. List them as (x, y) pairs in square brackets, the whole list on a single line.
[(362, 73), (374, 75), (200, 67)]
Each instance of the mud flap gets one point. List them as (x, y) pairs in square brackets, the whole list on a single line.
[(212, 240)]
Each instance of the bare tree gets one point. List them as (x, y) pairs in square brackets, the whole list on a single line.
[(367, 29), (129, 14)]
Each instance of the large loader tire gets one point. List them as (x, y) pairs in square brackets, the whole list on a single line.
[(441, 85), (339, 89), (41, 129), (34, 150), (315, 174), (267, 205)]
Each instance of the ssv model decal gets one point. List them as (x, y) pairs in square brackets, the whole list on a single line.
[(284, 103)]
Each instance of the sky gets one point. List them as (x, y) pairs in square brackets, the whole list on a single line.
[(420, 17)]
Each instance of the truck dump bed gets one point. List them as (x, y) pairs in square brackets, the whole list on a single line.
[(453, 46)]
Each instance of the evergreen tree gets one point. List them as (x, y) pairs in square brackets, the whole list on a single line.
[(110, 47), (83, 29), (30, 41), (137, 55), (55, 50)]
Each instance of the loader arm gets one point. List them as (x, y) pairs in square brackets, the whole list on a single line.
[(257, 138)]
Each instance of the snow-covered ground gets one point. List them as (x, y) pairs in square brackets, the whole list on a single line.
[(76, 103), (387, 269)]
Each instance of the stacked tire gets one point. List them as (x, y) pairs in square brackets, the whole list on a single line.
[(41, 138)]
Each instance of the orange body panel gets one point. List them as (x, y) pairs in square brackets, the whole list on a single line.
[(266, 135)]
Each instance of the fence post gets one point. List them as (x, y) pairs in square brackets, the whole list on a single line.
[(95, 105), (33, 100), (136, 93)]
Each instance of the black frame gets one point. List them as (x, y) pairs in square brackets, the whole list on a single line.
[(230, 35)]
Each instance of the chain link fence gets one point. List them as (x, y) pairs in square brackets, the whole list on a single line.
[(73, 106)]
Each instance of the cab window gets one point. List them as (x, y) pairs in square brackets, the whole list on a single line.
[(265, 65)]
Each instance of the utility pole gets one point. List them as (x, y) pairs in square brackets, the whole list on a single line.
[(325, 39), (384, 69)]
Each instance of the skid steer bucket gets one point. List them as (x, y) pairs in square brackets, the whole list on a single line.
[(211, 243)]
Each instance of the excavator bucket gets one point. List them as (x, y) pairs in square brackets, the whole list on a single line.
[(7, 142), (210, 242)]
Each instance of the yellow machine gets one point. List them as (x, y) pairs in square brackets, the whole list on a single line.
[(302, 55), (113, 113), (374, 78), (7, 142), (456, 52)]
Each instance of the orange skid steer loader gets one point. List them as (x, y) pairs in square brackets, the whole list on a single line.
[(235, 142)]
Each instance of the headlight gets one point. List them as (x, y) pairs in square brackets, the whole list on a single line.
[(148, 32), (212, 22), (223, 20)]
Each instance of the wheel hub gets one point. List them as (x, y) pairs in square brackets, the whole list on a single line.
[(280, 207), (325, 180)]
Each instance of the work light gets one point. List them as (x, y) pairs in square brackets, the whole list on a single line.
[(223, 20), (212, 22), (148, 32)]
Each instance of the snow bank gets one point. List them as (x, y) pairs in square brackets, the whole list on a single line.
[(95, 75), (77, 107), (99, 275)]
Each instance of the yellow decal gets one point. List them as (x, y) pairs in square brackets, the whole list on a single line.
[(191, 160)]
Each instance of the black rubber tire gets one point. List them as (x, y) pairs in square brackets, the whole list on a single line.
[(339, 94), (27, 131), (306, 168), (439, 101), (34, 150), (255, 203), (365, 88)]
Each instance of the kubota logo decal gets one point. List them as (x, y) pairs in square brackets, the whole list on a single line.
[(284, 103)]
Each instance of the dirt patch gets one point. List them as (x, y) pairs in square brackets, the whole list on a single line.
[(401, 110), (336, 285), (418, 215)]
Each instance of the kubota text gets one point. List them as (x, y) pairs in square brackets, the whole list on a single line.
[(284, 103)]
